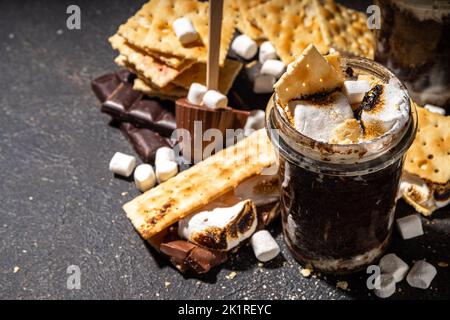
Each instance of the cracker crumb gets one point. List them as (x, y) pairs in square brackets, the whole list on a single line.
[(306, 272), (260, 264), (342, 285), (167, 284), (16, 269), (231, 275), (443, 264), (123, 194)]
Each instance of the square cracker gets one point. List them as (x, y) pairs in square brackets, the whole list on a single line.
[(345, 29), (170, 92), (197, 73), (151, 28), (245, 22), (192, 189), (290, 25), (429, 155), (156, 72)]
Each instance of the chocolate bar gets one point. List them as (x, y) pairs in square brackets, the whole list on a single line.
[(153, 115), (105, 85), (120, 101), (144, 141)]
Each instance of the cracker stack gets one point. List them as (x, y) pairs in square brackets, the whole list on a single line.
[(165, 67)]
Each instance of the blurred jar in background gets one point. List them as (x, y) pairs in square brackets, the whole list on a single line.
[(414, 42)]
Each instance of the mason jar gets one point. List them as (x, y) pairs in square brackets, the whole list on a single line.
[(338, 200)]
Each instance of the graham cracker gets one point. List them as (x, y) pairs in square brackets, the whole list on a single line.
[(309, 74), (151, 28), (156, 72), (169, 92), (197, 73), (192, 189), (345, 29), (429, 155), (290, 25)]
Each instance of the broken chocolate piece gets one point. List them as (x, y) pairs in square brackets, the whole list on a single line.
[(118, 103), (201, 260), (104, 86), (153, 115), (178, 249)]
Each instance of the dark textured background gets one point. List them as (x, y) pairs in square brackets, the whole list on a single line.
[(59, 204)]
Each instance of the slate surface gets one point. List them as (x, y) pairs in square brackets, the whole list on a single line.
[(61, 206)]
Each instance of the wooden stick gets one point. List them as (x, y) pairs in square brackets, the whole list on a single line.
[(215, 30)]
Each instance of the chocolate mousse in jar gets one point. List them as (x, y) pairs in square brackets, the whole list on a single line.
[(414, 42), (340, 161)]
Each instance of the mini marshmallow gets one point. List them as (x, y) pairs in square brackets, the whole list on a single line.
[(256, 120), (394, 266), (385, 286), (196, 93), (263, 84), (164, 154), (273, 67), (264, 246), (421, 275), (356, 90), (214, 100), (266, 52), (166, 170), (122, 164), (184, 30), (410, 226), (144, 177), (244, 46), (435, 109)]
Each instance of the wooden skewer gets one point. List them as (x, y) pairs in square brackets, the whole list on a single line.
[(214, 33)]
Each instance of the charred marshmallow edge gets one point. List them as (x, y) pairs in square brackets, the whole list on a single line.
[(256, 120), (144, 177), (214, 100), (184, 30), (122, 164), (165, 164), (264, 246), (274, 68), (263, 83), (244, 46), (435, 109), (266, 52), (384, 286), (355, 90), (410, 226), (421, 275), (196, 93), (394, 266), (221, 228)]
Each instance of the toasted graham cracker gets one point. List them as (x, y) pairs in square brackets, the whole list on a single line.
[(309, 74), (167, 203), (345, 29), (429, 155), (151, 28), (157, 72), (290, 25), (197, 73), (170, 92), (245, 22)]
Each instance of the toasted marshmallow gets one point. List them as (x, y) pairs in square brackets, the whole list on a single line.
[(256, 120), (122, 164), (394, 266), (261, 189), (435, 109), (214, 100), (355, 90), (144, 177), (244, 46), (196, 93), (320, 120), (221, 228), (421, 275), (390, 112), (273, 67), (263, 83), (185, 30), (266, 52)]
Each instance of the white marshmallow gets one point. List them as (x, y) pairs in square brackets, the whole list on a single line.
[(214, 100), (410, 226), (320, 121), (184, 30), (164, 154), (385, 286), (144, 177), (196, 93), (394, 266), (435, 109), (421, 275), (263, 84), (393, 113), (256, 120), (218, 223), (266, 52), (122, 164), (264, 246), (355, 90), (244, 46), (273, 67), (165, 170)]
